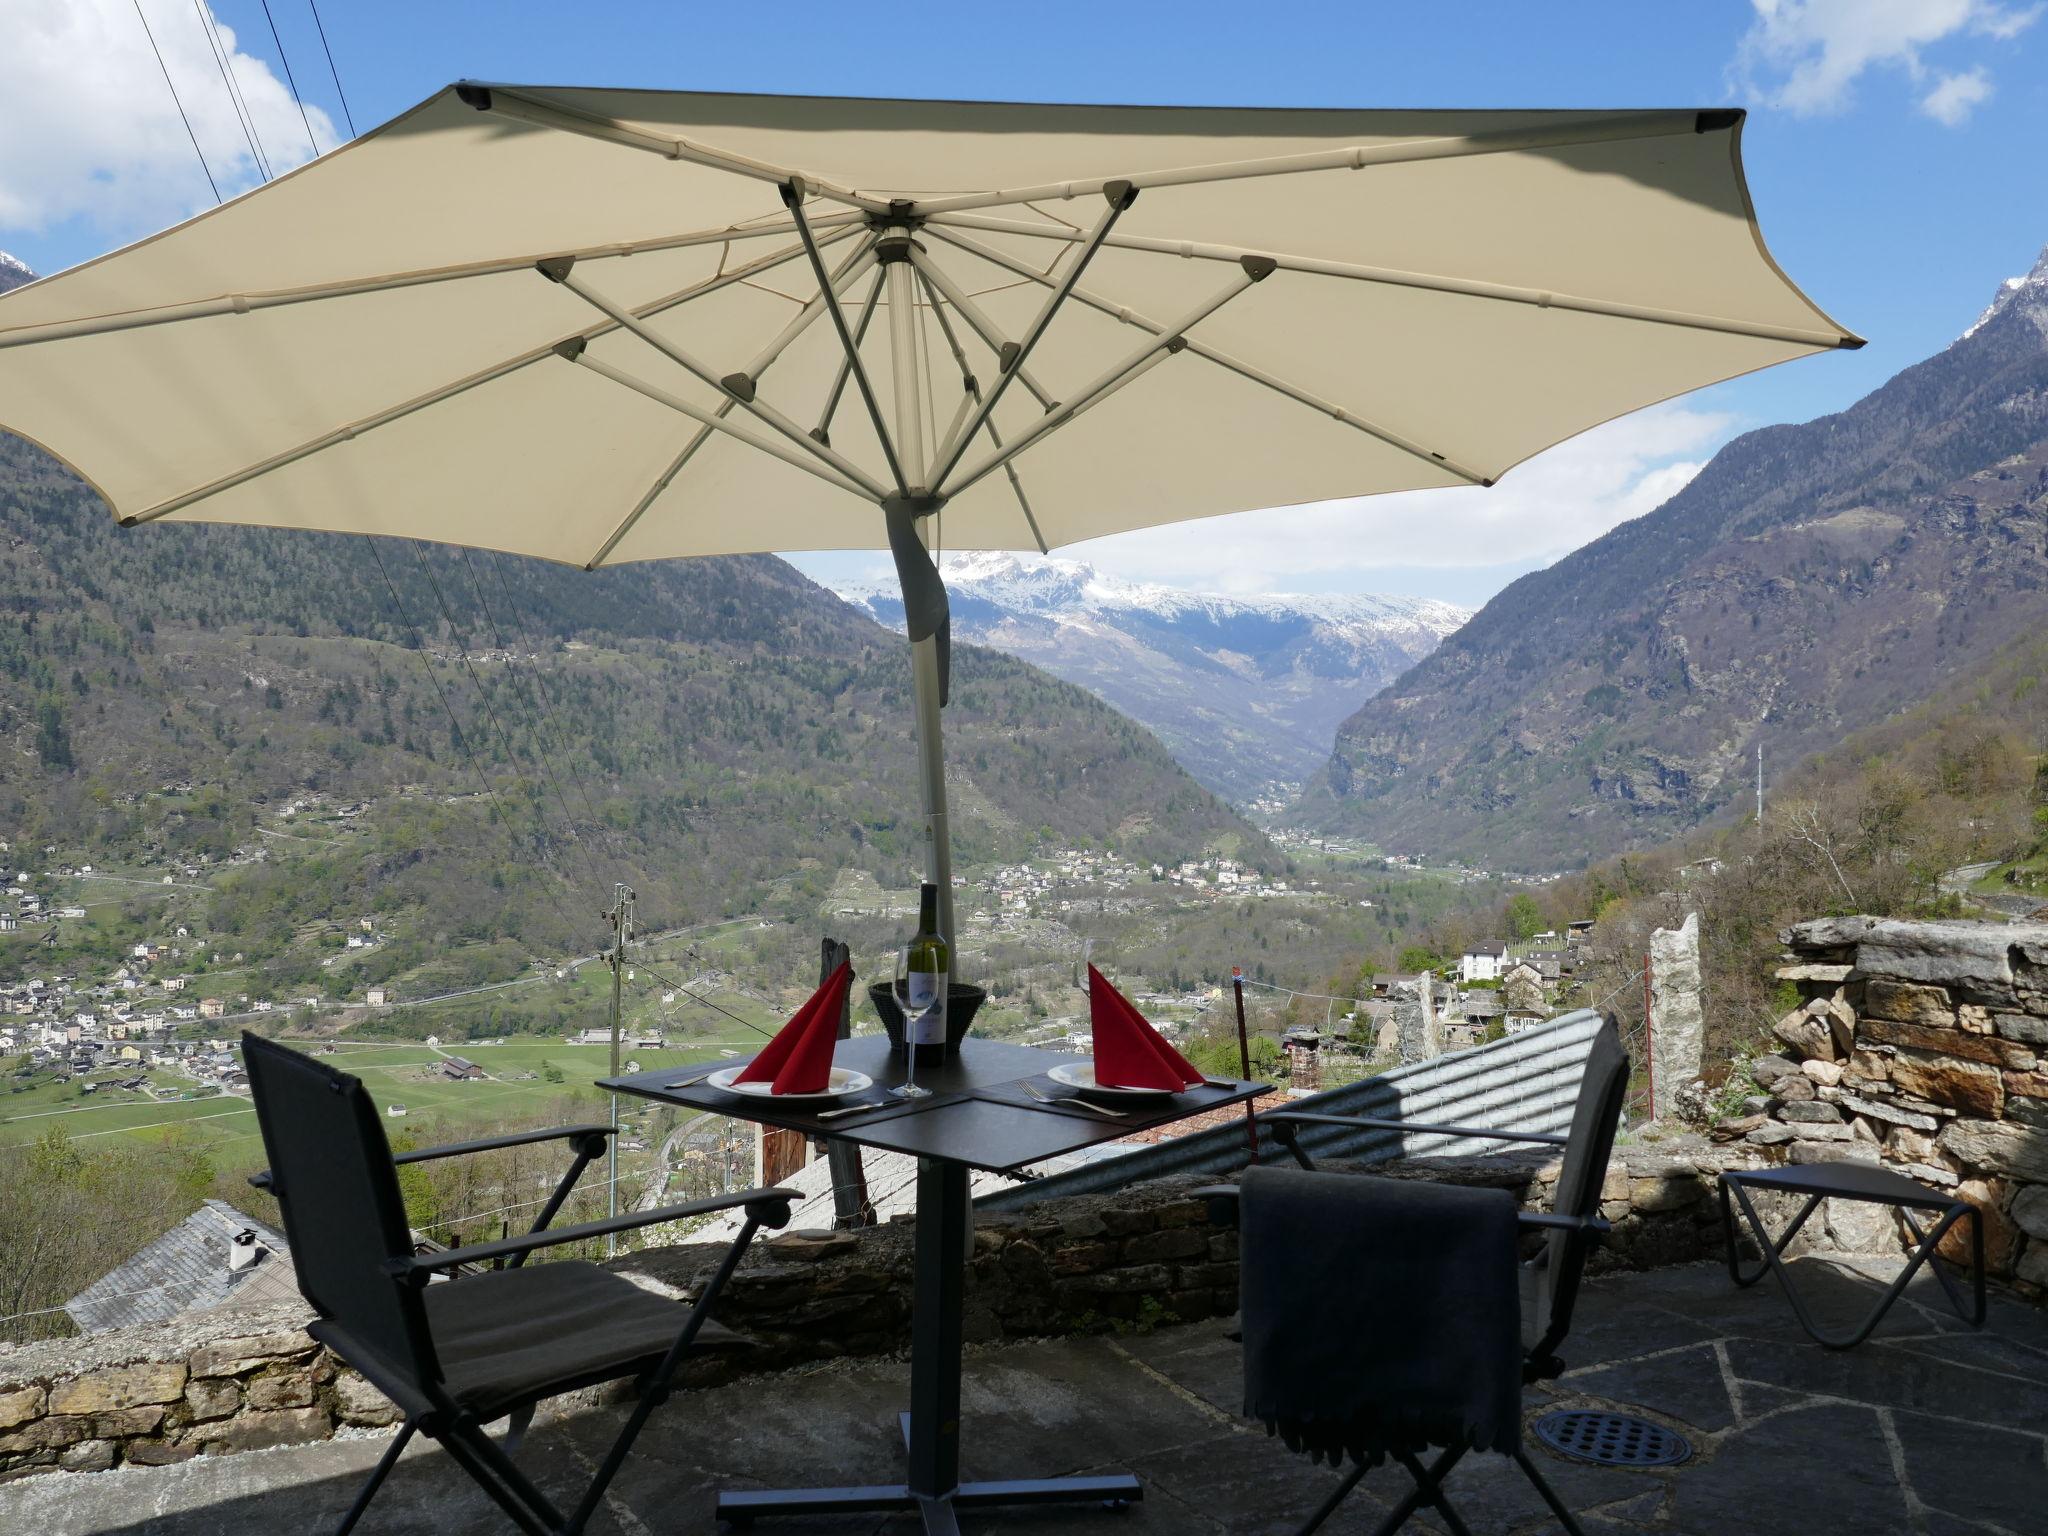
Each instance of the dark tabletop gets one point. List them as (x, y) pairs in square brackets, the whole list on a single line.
[(976, 1115), (1853, 1181)]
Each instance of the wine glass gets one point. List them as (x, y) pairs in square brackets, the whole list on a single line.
[(900, 988)]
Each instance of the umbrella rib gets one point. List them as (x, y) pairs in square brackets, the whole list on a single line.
[(689, 451), (1560, 135), (828, 472), (449, 391), (1119, 195), (793, 200), (973, 314), (1224, 359), (661, 483), (971, 390), (1508, 293), (823, 430), (734, 386), (503, 102), (277, 298), (1170, 339), (841, 280)]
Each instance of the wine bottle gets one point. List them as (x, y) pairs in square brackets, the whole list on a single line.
[(927, 964)]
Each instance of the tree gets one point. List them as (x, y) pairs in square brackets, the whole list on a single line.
[(1525, 918)]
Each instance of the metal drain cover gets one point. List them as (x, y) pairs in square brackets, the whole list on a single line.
[(1612, 1439)]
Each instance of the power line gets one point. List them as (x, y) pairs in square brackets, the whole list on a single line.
[(175, 101), (314, 6), (234, 95), (291, 80)]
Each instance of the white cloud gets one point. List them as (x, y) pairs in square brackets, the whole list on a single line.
[(1955, 97), (1549, 506), (93, 132), (1807, 55)]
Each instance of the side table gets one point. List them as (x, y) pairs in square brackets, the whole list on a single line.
[(1851, 1181)]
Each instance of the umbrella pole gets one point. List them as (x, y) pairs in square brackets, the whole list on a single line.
[(931, 775)]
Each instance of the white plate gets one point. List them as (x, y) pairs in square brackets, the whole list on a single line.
[(844, 1081), (1080, 1076)]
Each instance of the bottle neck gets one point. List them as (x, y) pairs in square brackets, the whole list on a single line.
[(928, 909)]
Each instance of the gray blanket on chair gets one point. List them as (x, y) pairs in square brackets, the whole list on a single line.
[(1380, 1315)]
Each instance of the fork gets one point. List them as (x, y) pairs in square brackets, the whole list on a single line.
[(1046, 1098), (851, 1109)]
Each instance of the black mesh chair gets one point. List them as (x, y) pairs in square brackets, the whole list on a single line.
[(1549, 1278), (460, 1355)]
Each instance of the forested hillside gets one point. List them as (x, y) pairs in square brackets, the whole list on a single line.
[(1810, 581), (520, 735)]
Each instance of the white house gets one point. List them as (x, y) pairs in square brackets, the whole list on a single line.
[(1483, 960)]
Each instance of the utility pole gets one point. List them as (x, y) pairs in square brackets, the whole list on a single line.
[(1759, 783), (621, 918)]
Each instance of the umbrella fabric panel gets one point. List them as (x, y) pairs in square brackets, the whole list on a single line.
[(1432, 322)]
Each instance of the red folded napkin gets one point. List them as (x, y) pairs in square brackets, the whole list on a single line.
[(1129, 1052), (799, 1058)]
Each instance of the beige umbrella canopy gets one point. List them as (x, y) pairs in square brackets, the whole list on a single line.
[(603, 326)]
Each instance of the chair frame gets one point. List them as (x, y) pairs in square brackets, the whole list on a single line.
[(423, 1398), (1540, 1361), (1925, 1243)]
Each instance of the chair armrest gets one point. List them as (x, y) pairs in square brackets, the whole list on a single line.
[(589, 1141), (590, 1137), (1548, 1219), (769, 1207), (1374, 1123), (1222, 1200)]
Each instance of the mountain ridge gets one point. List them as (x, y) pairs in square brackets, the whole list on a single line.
[(1811, 579), (1246, 691)]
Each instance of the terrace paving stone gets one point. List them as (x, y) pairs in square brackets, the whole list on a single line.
[(1927, 1430)]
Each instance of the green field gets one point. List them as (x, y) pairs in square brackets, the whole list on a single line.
[(396, 1072)]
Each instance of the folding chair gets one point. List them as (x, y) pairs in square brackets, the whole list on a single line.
[(1549, 1279), (455, 1357)]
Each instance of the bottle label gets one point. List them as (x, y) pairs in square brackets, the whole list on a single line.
[(925, 1020)]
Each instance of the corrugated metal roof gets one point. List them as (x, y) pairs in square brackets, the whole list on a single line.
[(186, 1270)]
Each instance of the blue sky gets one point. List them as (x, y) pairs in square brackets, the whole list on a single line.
[(1893, 150)]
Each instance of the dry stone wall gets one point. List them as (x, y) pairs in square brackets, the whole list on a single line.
[(1924, 1046), (250, 1378)]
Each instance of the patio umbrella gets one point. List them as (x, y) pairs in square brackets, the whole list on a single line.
[(601, 326)]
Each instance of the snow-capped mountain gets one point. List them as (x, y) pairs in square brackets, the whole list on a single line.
[(13, 272), (1246, 691), (2029, 293)]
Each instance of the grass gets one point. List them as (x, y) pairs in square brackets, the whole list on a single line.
[(398, 1072)]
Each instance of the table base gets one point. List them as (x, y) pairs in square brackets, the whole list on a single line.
[(740, 1508)]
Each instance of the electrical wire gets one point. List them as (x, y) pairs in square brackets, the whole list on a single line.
[(348, 116), (249, 134), (291, 80), (180, 105)]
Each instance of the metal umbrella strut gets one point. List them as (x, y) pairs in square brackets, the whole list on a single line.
[(606, 326)]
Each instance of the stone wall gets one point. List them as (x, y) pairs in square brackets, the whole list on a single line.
[(1129, 1260), (1922, 1045), (210, 1383), (249, 1378)]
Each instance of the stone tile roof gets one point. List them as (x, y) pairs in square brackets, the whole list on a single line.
[(186, 1270)]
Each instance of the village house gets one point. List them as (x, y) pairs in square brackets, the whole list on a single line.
[(1482, 960)]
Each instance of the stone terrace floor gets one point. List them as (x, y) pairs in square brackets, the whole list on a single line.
[(1927, 1429)]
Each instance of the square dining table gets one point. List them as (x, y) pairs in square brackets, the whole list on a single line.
[(978, 1115)]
